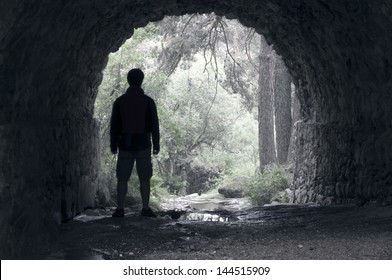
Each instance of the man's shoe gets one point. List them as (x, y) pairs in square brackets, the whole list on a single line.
[(119, 213), (147, 212)]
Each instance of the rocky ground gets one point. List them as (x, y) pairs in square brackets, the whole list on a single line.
[(273, 232)]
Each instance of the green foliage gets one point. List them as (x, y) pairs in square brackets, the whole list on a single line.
[(175, 184), (267, 185), (158, 191)]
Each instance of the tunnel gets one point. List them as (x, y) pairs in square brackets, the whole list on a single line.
[(52, 54)]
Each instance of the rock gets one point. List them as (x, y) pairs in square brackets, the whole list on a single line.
[(290, 195), (234, 188), (281, 197), (230, 193), (273, 203)]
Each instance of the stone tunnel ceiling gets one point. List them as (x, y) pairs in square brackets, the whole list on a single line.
[(52, 55)]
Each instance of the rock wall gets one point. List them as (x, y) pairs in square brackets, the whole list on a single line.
[(52, 53), (343, 155)]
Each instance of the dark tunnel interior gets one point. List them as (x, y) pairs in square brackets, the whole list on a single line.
[(51, 59)]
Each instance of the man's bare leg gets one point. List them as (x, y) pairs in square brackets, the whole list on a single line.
[(122, 189), (145, 193)]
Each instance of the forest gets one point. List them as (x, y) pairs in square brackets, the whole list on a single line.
[(226, 104)]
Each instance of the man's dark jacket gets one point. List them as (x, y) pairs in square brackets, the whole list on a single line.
[(134, 120)]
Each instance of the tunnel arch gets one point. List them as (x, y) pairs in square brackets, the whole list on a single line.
[(52, 56)]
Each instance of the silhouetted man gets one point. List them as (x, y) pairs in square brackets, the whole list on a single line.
[(134, 122)]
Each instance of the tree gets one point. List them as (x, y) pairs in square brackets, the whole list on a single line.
[(282, 101), (197, 116), (295, 112), (265, 106), (183, 37), (241, 67)]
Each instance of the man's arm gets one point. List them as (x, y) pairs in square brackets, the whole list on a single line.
[(115, 127), (154, 128)]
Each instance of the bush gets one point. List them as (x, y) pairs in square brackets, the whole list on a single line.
[(158, 191), (201, 178), (267, 185), (175, 184)]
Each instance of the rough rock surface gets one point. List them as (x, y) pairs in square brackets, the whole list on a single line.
[(52, 55), (275, 232)]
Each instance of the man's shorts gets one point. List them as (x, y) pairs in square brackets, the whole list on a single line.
[(126, 160)]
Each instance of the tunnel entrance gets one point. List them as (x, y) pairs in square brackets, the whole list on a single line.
[(51, 68), (208, 83)]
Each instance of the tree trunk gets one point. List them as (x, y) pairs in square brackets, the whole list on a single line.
[(265, 106), (282, 100), (295, 117), (296, 108)]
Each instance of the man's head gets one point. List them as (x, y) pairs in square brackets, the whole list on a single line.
[(135, 77)]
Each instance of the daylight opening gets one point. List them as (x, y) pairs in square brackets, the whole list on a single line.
[(226, 107)]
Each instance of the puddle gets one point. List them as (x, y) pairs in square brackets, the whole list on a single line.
[(88, 218), (204, 203), (206, 217), (92, 215)]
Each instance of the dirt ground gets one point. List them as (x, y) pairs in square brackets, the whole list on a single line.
[(274, 232)]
